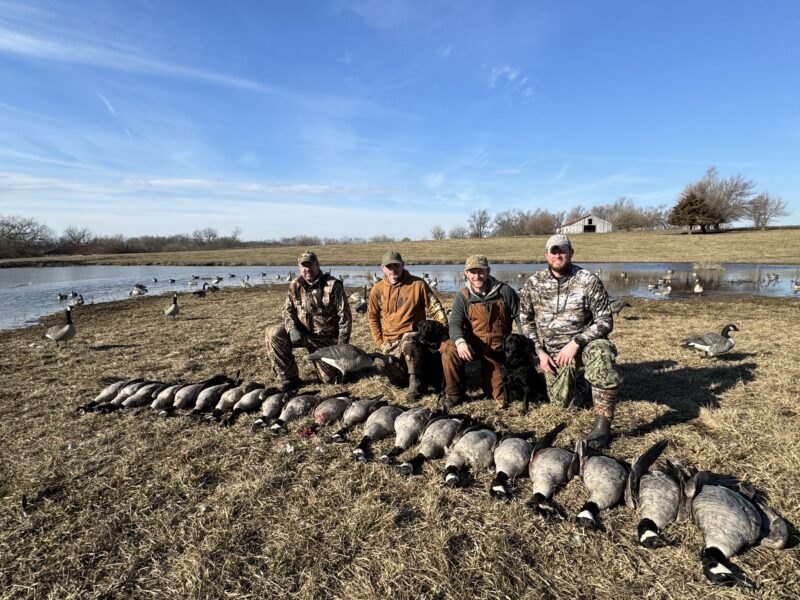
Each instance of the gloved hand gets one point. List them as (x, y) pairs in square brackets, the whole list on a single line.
[(296, 337)]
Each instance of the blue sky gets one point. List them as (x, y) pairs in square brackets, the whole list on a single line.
[(358, 118)]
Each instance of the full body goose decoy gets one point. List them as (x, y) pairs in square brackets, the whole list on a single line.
[(346, 358), (605, 479), (172, 309), (550, 468), (658, 495), (379, 426), (408, 428), (435, 440), (698, 287), (62, 333), (731, 519), (666, 290), (138, 290), (616, 306), (79, 301), (355, 414), (201, 293), (512, 456), (361, 303), (471, 450), (712, 344)]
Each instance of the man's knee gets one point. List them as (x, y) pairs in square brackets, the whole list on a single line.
[(600, 363)]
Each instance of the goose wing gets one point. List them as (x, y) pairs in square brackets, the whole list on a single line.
[(706, 339)]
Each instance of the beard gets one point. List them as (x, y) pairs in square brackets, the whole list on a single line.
[(560, 267)]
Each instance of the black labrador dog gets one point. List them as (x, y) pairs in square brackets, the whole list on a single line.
[(431, 335), (521, 380)]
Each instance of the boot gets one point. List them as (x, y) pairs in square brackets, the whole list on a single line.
[(289, 385), (413, 388), (451, 400), (600, 435)]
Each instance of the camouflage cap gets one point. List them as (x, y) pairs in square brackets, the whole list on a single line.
[(559, 240), (477, 261), (307, 256), (391, 257)]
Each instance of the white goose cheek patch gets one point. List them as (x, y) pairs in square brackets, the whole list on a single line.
[(720, 569), (648, 534), (585, 514)]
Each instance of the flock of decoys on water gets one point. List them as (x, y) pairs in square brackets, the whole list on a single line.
[(729, 513)]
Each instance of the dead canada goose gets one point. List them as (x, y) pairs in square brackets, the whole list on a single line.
[(550, 468), (712, 344), (331, 410), (512, 456), (230, 397), (471, 450), (107, 394), (657, 494), (208, 398), (144, 395), (122, 395), (249, 402), (357, 413), (731, 518), (62, 333), (408, 428), (295, 408), (379, 426), (271, 407), (604, 477), (435, 440), (172, 309), (346, 358), (186, 397), (166, 397)]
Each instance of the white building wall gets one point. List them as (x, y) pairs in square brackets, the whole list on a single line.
[(588, 224)]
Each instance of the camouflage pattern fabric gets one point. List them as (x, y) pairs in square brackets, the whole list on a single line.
[(319, 309), (557, 310), (279, 351), (408, 351), (598, 360)]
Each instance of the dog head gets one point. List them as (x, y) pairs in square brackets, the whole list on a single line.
[(517, 348), (431, 333)]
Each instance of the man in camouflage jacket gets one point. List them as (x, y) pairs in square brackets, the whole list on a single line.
[(316, 314), (565, 312), (397, 303)]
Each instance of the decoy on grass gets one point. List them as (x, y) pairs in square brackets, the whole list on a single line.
[(712, 344), (62, 333)]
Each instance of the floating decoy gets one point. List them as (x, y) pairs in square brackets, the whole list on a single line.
[(171, 280), (139, 289), (62, 333), (155, 280), (62, 297), (712, 344), (731, 518), (76, 301)]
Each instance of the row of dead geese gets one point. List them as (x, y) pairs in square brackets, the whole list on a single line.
[(728, 512)]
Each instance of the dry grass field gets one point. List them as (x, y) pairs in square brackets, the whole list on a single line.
[(771, 246), (129, 505)]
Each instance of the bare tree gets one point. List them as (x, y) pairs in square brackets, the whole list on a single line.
[(205, 236), (764, 208), (76, 236), (510, 223), (20, 236), (575, 213), (478, 223), (437, 232), (543, 222), (458, 232)]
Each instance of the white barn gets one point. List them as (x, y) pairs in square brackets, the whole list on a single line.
[(587, 224)]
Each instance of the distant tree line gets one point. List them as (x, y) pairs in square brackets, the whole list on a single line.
[(707, 204), (24, 237)]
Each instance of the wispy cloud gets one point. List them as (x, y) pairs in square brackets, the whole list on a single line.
[(108, 104), (563, 171), (434, 180), (516, 169), (502, 73), (445, 52)]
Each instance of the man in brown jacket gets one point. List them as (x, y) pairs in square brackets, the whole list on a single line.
[(316, 314), (396, 304)]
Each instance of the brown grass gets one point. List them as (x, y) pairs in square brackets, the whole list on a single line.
[(772, 246), (130, 505)]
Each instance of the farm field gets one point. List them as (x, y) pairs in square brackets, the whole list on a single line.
[(771, 246), (130, 505)]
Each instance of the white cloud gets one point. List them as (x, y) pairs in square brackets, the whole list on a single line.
[(445, 52), (108, 104), (434, 180), (498, 74)]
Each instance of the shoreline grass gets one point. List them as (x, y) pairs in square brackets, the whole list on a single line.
[(764, 247), (129, 505)]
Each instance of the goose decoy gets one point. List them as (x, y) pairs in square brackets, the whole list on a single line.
[(796, 285), (730, 517), (604, 477), (138, 290), (355, 414), (232, 275), (408, 428), (379, 426), (346, 358), (263, 274), (172, 309), (698, 287), (155, 280), (73, 294), (512, 456), (471, 450), (171, 280), (435, 283), (616, 306), (435, 440), (550, 468), (77, 301), (658, 495), (664, 291), (217, 280), (61, 297), (361, 302), (201, 293), (62, 333), (712, 344)]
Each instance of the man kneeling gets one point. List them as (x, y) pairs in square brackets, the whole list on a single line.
[(482, 313)]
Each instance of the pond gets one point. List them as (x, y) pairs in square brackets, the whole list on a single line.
[(29, 293)]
